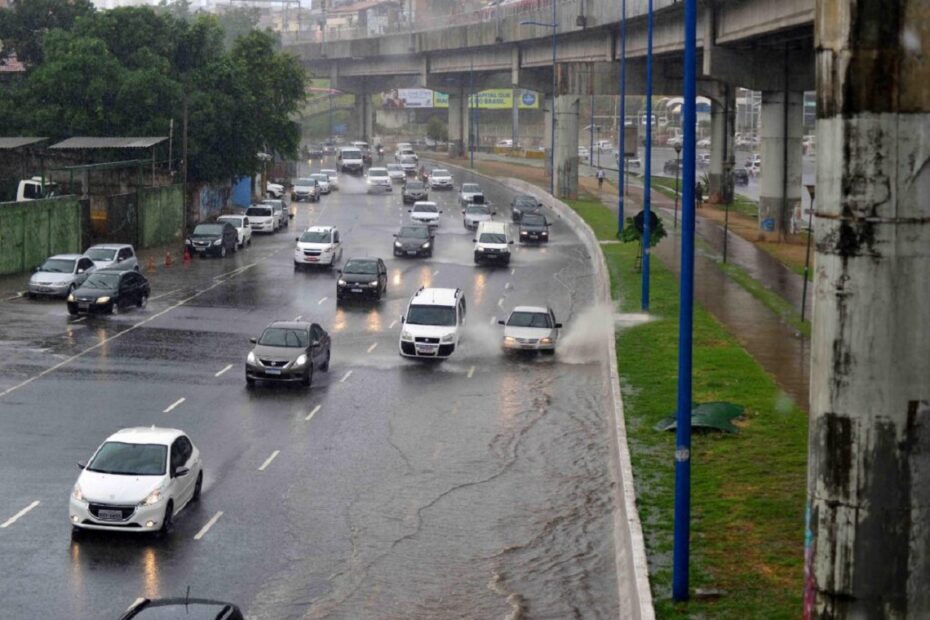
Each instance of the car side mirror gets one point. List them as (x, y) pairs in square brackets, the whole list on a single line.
[(493, 212), (314, 344), (296, 238), (403, 319), (474, 241), (510, 242), (81, 466), (36, 270), (119, 260), (440, 212), (253, 340), (181, 471), (501, 322), (463, 211), (558, 326), (80, 270)]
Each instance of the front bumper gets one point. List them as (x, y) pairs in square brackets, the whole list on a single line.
[(417, 251), (83, 307), (50, 290), (492, 257), (440, 184), (526, 344), (204, 249), (426, 351), (284, 375), (324, 258), (380, 189), (357, 290), (137, 519), (263, 227), (534, 237)]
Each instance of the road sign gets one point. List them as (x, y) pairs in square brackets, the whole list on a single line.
[(638, 221)]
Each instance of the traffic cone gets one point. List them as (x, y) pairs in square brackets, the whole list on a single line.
[(168, 260), (187, 256), (150, 266)]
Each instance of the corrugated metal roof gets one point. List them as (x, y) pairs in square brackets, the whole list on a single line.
[(15, 143), (109, 143)]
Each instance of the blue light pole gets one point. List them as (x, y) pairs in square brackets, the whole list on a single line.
[(647, 186), (555, 29), (622, 157), (682, 533)]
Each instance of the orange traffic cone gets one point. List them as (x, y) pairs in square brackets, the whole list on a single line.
[(168, 260), (150, 266), (187, 256)]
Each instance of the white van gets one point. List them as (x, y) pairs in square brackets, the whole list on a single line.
[(433, 324), (350, 161), (492, 243)]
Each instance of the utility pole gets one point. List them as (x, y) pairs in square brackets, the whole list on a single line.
[(867, 542), (184, 117)]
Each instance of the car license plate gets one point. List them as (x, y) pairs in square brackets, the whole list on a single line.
[(84, 306), (312, 259), (356, 290), (273, 371), (411, 252), (426, 348), (110, 515), (44, 289)]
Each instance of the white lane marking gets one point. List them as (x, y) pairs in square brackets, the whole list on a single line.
[(83, 318), (393, 323), (105, 341), (298, 317), (206, 528), (436, 273), (493, 320), (312, 413), (508, 286), (471, 372), (513, 271), (225, 368), (19, 514), (347, 375), (500, 302), (164, 294), (135, 602), (16, 296), (320, 303), (174, 404), (372, 347), (267, 462)]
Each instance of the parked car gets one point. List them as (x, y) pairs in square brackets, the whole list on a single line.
[(262, 218), (414, 191), (288, 351), (703, 159), (213, 239), (333, 177), (109, 291), (318, 245), (531, 328), (670, 166), (242, 226), (425, 212), (113, 256), (274, 190), (505, 144), (306, 188), (703, 143), (158, 609), (534, 228), (473, 214), (378, 181), (523, 203), (362, 278), (413, 241), (59, 275), (740, 176), (137, 481), (280, 211), (440, 178)]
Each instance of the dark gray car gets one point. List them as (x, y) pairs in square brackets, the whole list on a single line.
[(413, 241), (213, 239), (288, 351), (534, 228), (524, 203), (414, 191)]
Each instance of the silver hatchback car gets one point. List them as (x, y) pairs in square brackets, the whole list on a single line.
[(59, 275)]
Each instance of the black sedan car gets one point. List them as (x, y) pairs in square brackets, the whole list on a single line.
[(740, 176), (109, 291), (524, 203), (414, 191), (362, 278), (315, 151), (288, 351), (534, 228), (413, 241), (213, 239)]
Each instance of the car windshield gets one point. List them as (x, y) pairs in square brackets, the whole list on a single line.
[(492, 238), (431, 315), (315, 236), (58, 265), (321, 177), (208, 230), (375, 172), (529, 319), (438, 172), (351, 154), (284, 337), (426, 208), (258, 211), (100, 254), (102, 280), (328, 172), (395, 167), (361, 266), (526, 202), (274, 204), (471, 187), (533, 220), (414, 185), (304, 182), (415, 232), (477, 210), (130, 459)]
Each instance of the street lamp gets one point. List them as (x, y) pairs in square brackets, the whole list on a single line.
[(677, 148), (555, 29), (807, 258)]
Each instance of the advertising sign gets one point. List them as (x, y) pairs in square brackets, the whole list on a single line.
[(492, 99), (407, 98)]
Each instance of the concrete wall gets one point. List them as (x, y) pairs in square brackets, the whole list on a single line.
[(30, 232), (161, 215)]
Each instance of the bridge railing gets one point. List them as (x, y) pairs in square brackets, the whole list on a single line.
[(483, 15)]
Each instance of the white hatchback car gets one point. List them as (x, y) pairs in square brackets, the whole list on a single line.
[(531, 328), (137, 481), (333, 177), (378, 180), (318, 245), (425, 212), (440, 178), (242, 226)]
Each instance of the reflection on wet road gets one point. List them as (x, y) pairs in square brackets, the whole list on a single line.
[(475, 488)]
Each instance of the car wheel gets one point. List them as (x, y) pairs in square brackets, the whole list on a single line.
[(144, 299), (77, 533), (325, 365), (167, 522), (296, 266), (249, 242), (222, 251), (114, 307), (308, 376), (235, 248), (198, 487), (249, 382)]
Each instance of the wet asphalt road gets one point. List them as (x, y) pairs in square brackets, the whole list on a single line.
[(472, 488)]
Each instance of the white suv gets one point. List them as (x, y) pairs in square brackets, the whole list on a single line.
[(318, 245), (433, 324), (242, 226)]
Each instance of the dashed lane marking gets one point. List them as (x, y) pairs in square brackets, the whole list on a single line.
[(312, 413), (174, 404), (267, 462), (471, 372), (320, 303), (500, 302), (206, 528), (19, 514), (393, 323), (298, 317), (372, 347), (221, 372), (436, 273), (513, 271), (346, 377), (83, 318)]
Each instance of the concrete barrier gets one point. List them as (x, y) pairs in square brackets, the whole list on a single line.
[(32, 231), (634, 593)]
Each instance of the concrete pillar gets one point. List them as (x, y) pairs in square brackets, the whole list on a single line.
[(566, 146), (721, 147), (365, 116), (867, 549), (547, 102), (780, 186), (458, 122)]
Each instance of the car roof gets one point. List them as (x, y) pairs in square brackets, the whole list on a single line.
[(66, 256), (370, 170), (289, 324), (328, 170), (424, 203), (363, 259), (435, 296), (320, 229), (493, 227), (539, 309), (109, 246), (146, 434)]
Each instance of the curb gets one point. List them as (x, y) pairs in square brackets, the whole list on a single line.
[(634, 596)]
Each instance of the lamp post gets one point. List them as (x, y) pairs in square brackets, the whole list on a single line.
[(677, 148), (647, 185), (621, 161), (807, 258), (555, 29)]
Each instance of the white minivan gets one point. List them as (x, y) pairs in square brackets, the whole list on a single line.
[(433, 324), (492, 243)]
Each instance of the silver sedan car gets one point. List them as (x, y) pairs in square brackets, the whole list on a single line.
[(59, 275), (531, 328)]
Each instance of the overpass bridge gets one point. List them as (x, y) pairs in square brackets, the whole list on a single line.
[(763, 45)]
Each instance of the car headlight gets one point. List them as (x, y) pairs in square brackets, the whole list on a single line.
[(398, 244), (373, 283), (546, 340), (187, 242), (341, 282), (544, 233), (447, 338), (368, 181), (406, 336), (523, 233), (300, 361), (153, 498), (76, 492), (509, 339), (480, 249), (103, 300), (250, 358), (425, 246), (71, 297), (218, 242)]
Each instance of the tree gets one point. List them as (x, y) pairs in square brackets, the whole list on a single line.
[(437, 130), (25, 25)]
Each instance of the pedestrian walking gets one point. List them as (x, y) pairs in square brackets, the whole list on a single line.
[(698, 195), (600, 178)]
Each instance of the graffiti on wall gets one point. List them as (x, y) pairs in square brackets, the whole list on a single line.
[(211, 200)]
